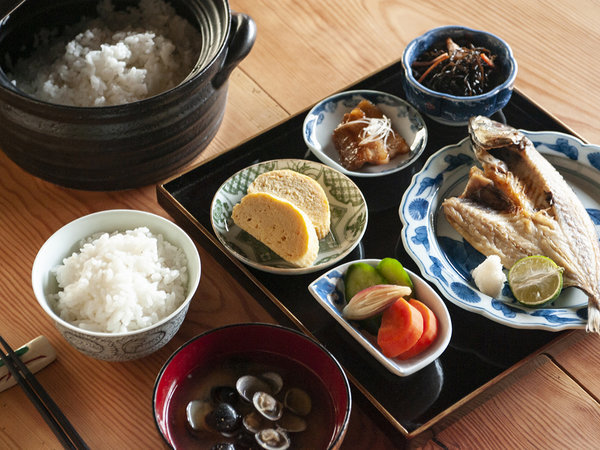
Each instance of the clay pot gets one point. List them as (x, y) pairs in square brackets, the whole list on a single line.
[(128, 145)]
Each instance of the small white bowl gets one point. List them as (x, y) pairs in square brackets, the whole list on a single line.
[(326, 115), (66, 241), (328, 290)]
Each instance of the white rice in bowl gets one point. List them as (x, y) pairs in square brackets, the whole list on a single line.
[(121, 282), (118, 57)]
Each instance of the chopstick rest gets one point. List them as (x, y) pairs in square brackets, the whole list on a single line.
[(49, 410), (36, 355)]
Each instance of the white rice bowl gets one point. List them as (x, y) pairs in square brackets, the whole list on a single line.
[(118, 57), (121, 282)]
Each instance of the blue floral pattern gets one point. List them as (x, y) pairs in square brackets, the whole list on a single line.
[(447, 260), (562, 146), (594, 159)]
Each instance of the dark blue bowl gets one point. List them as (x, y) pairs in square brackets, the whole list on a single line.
[(451, 109)]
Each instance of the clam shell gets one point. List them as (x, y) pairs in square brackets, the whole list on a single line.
[(298, 401), (247, 385), (292, 423), (196, 412), (253, 422), (267, 405), (273, 439), (275, 381)]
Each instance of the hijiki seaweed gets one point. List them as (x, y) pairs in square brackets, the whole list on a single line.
[(457, 70)]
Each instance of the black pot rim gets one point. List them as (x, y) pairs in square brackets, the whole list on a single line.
[(9, 89)]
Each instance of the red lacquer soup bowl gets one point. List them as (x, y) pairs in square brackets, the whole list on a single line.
[(188, 412)]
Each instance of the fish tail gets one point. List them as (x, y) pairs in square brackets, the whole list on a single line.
[(593, 322)]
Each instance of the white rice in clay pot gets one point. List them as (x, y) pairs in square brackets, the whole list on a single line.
[(121, 282), (119, 57)]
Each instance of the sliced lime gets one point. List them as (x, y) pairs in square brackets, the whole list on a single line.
[(535, 280)]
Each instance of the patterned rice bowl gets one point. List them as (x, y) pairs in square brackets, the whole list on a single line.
[(346, 202), (117, 346)]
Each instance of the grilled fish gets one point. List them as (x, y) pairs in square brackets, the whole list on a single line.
[(518, 205)]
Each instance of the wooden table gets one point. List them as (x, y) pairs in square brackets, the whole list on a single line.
[(305, 51)]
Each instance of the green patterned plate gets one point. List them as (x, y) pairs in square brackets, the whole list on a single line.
[(346, 202)]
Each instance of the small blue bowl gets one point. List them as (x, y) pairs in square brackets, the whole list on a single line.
[(451, 109)]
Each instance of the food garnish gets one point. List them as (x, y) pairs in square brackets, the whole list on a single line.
[(519, 205), (375, 129), (489, 277), (365, 135), (535, 280), (373, 300), (377, 296), (430, 330), (457, 70), (401, 328)]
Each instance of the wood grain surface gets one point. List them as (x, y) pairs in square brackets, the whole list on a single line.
[(306, 50)]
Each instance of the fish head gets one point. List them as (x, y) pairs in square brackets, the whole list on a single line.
[(487, 134)]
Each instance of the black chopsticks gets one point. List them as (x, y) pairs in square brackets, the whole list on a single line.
[(49, 410)]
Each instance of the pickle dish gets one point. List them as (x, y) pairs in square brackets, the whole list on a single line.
[(329, 290)]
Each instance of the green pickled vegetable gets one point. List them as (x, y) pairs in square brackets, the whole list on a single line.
[(392, 271), (360, 276), (371, 324)]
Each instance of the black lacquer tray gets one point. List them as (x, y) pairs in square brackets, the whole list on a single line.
[(481, 352)]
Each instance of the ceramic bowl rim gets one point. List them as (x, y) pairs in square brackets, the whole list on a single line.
[(340, 434), (408, 73), (190, 77), (192, 282)]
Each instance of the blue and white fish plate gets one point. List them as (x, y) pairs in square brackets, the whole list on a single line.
[(447, 260)]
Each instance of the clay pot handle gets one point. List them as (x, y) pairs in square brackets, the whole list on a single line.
[(241, 40)]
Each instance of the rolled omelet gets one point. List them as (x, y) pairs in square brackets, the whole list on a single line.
[(280, 225), (299, 189)]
